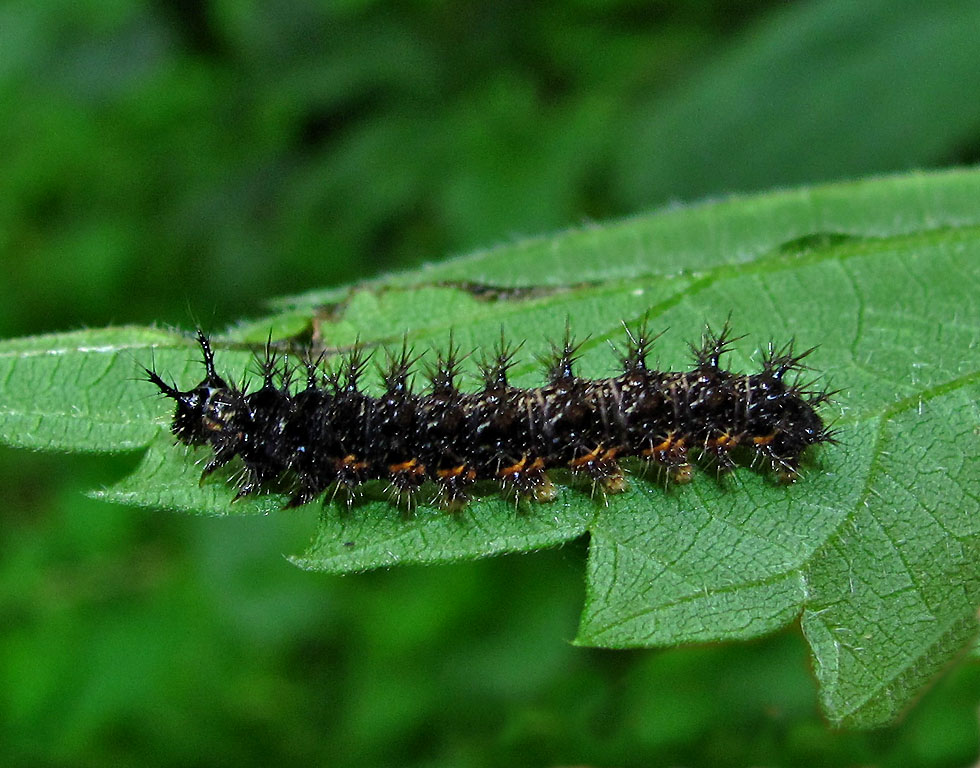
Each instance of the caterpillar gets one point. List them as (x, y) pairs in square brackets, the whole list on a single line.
[(330, 433)]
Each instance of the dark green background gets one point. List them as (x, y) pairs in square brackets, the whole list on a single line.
[(180, 162)]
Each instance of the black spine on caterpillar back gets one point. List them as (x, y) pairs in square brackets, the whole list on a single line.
[(262, 426), (309, 427), (332, 433)]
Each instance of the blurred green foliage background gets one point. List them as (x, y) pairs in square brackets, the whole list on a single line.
[(169, 161)]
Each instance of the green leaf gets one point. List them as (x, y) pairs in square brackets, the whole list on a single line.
[(875, 550), (795, 99)]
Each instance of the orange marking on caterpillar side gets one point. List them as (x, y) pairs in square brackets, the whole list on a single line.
[(350, 461), (522, 466), (462, 469), (513, 469), (764, 440), (723, 443), (587, 459), (411, 467), (670, 443)]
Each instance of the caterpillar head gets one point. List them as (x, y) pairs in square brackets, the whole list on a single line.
[(206, 413)]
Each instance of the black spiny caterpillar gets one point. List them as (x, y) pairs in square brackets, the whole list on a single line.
[(333, 434)]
